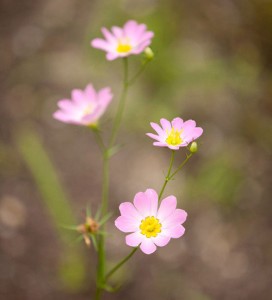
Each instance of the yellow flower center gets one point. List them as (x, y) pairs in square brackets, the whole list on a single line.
[(173, 137), (88, 110), (150, 227), (123, 48)]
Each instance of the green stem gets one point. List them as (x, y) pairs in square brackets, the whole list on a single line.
[(101, 278), (181, 166), (167, 178), (101, 241), (113, 270), (140, 71), (121, 105), (98, 139), (105, 187), (98, 293)]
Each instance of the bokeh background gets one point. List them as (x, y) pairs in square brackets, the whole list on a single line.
[(212, 63)]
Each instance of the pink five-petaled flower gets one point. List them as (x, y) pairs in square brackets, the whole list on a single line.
[(150, 226), (133, 38), (175, 134), (85, 107)]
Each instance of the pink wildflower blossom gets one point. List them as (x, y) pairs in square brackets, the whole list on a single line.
[(148, 225), (175, 134), (133, 38), (85, 107)]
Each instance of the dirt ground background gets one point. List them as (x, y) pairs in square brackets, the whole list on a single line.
[(213, 64)]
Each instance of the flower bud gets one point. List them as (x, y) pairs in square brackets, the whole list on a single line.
[(149, 54), (88, 228), (193, 147), (91, 225)]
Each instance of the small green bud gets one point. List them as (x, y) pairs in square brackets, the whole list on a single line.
[(149, 54), (193, 147)]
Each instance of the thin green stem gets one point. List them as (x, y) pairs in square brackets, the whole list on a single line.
[(114, 269), (99, 139), (101, 285), (98, 293), (139, 72), (167, 178), (181, 166), (104, 209), (121, 105), (101, 277)]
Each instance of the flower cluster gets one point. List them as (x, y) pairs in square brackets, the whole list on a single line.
[(149, 222)]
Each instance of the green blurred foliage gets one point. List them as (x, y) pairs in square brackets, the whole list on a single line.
[(72, 264)]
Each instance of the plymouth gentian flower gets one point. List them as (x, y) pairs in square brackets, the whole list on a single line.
[(175, 134), (85, 107), (150, 226), (133, 38)]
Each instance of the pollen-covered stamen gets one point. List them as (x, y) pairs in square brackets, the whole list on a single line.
[(174, 137), (150, 227)]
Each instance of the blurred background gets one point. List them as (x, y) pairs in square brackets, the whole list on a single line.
[(212, 63)]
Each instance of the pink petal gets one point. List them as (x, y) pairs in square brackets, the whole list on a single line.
[(140, 48), (157, 128), (167, 207), (166, 125), (177, 123), (131, 27), (112, 56), (126, 224), (191, 133), (153, 198), (138, 31), (90, 93), (128, 210), (61, 116), (161, 240), (147, 246), (108, 35), (79, 98), (197, 132), (134, 239), (146, 203), (189, 124), (176, 218), (90, 118), (153, 136), (174, 232), (173, 147), (101, 44), (118, 32), (105, 96), (160, 144), (146, 37), (66, 105)]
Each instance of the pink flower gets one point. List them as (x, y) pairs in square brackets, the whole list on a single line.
[(85, 107), (149, 226), (175, 134), (133, 38)]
